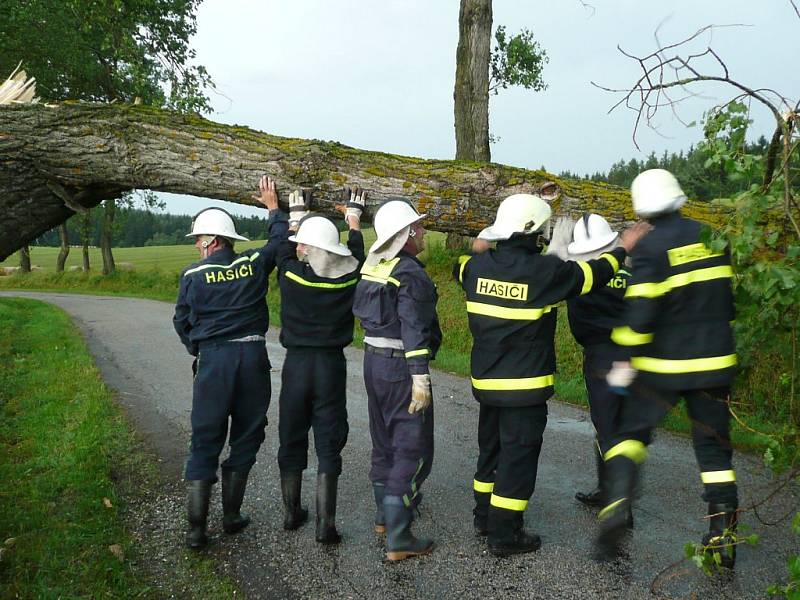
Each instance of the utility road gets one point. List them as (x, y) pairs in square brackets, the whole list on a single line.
[(141, 358)]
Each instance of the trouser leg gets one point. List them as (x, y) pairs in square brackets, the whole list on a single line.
[(329, 410), (488, 450), (382, 454), (297, 383)]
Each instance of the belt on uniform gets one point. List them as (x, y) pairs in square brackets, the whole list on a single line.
[(390, 352)]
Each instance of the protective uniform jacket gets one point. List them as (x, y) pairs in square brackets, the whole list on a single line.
[(222, 297), (511, 296), (680, 306), (397, 299), (594, 315), (316, 311)]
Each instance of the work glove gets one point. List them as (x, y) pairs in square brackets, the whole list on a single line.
[(620, 377), (354, 199), (299, 206), (560, 238), (421, 394)]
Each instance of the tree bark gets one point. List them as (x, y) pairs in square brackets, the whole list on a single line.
[(471, 93), (86, 238), (107, 236), (25, 259), (55, 161), (63, 251)]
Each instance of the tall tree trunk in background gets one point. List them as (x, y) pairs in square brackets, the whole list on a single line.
[(86, 232), (471, 94), (106, 237), (63, 251), (25, 259)]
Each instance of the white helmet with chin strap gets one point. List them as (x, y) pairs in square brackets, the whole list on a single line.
[(392, 217), (320, 232), (656, 192), (519, 213), (217, 222), (592, 232)]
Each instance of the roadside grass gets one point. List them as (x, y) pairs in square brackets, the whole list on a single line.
[(69, 463), (157, 272)]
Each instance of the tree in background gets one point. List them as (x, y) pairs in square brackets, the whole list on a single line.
[(104, 51), (63, 252), (25, 259)]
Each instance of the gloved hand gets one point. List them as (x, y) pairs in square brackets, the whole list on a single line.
[(355, 200), (621, 376), (421, 394), (299, 206), (560, 238)]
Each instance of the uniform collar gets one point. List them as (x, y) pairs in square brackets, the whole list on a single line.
[(412, 257), (523, 242), (221, 255)]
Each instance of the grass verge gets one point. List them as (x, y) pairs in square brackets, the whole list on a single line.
[(67, 462)]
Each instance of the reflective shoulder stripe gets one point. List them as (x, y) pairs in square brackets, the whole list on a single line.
[(611, 259), (254, 256), (718, 476), (508, 503), (524, 383), (646, 290), (462, 261), (414, 353), (241, 259), (501, 312), (632, 449), (320, 284), (381, 273), (675, 367), (588, 278), (686, 254), (484, 487), (625, 336), (654, 290)]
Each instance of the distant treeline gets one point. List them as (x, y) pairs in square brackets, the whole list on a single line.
[(137, 227)]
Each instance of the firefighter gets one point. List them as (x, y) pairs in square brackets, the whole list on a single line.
[(511, 294), (317, 276), (680, 343), (396, 302), (222, 319)]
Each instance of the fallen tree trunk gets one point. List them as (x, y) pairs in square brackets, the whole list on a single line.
[(58, 160)]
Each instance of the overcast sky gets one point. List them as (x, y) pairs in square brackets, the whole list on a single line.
[(379, 75)]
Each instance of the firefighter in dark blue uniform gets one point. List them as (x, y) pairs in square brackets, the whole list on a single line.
[(221, 318), (317, 316), (396, 302), (511, 295), (678, 333)]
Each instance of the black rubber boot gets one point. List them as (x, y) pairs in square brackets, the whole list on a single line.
[(197, 513), (326, 509), (594, 498), (721, 527), (481, 512), (379, 490), (507, 535), (296, 515), (233, 486), (400, 542), (616, 517)]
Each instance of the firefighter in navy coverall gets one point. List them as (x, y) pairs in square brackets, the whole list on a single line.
[(591, 319), (396, 302), (678, 333), (222, 319), (317, 316), (511, 295)]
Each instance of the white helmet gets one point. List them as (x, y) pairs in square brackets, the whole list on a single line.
[(591, 233), (520, 213), (215, 221), (656, 191), (392, 217), (320, 232)]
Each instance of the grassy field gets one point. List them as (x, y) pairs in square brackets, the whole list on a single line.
[(68, 463)]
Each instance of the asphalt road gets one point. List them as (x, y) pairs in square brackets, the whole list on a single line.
[(140, 357)]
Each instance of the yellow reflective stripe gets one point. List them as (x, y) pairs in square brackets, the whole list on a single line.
[(381, 280), (241, 259), (319, 284), (633, 449), (604, 514), (508, 503), (588, 278), (501, 312), (625, 336), (413, 353), (525, 383), (484, 487), (381, 273), (462, 260), (691, 365), (718, 476), (612, 259), (653, 290), (686, 254)]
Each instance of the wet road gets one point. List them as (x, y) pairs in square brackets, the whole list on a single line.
[(140, 357)]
